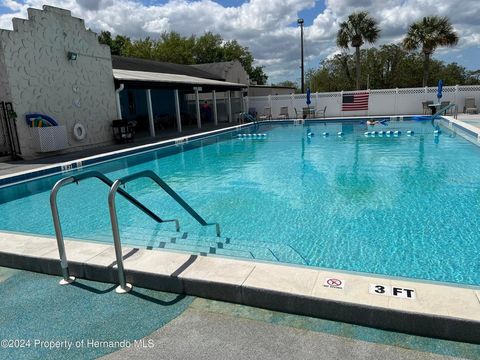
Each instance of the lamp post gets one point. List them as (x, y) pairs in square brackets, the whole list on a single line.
[(300, 22)]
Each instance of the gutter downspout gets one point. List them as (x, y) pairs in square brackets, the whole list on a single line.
[(117, 98)]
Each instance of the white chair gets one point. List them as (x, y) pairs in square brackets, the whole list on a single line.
[(267, 114), (283, 113), (321, 112), (470, 107)]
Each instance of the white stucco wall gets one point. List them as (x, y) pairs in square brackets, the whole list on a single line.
[(41, 79), (4, 86)]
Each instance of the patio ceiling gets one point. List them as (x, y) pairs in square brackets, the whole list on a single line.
[(146, 79)]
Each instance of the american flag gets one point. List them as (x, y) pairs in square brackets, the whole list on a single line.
[(353, 102)]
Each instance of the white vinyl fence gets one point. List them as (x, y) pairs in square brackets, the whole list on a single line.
[(381, 102)]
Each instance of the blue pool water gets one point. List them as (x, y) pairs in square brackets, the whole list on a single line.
[(401, 206)]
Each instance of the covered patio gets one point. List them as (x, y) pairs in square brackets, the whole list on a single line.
[(160, 103)]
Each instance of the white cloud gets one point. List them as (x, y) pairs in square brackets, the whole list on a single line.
[(267, 27)]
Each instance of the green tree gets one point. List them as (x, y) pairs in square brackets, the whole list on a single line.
[(174, 48), (358, 29), (105, 38), (428, 34), (232, 50), (142, 48), (118, 45), (288, 83), (388, 66), (208, 49), (258, 76)]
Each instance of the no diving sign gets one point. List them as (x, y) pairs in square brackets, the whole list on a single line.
[(334, 283)]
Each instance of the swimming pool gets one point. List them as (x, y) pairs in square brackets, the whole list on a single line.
[(393, 205)]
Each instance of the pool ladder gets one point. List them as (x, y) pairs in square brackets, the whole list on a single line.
[(114, 188)]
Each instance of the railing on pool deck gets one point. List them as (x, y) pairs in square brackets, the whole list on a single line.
[(445, 109), (124, 286), (114, 188), (67, 279)]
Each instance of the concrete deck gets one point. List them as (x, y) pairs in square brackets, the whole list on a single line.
[(199, 335), (12, 167), (435, 310), (471, 119)]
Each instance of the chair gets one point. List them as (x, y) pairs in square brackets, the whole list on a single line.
[(444, 104), (267, 114), (123, 131), (307, 112), (426, 109), (321, 112), (283, 113), (470, 107)]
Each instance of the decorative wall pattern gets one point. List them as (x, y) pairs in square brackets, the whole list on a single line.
[(40, 78)]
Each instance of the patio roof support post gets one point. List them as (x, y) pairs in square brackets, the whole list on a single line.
[(177, 111), (229, 99), (197, 105), (150, 113), (117, 100), (244, 105), (215, 115)]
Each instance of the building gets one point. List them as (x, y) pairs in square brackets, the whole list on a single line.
[(231, 71), (265, 90), (53, 71), (40, 74)]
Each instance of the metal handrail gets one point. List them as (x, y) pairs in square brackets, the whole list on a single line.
[(124, 286), (126, 195), (150, 174), (443, 110), (67, 279)]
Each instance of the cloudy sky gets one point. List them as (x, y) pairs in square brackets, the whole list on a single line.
[(268, 27)]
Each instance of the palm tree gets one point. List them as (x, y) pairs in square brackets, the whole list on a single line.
[(359, 27), (430, 33)]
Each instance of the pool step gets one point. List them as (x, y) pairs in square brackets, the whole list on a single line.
[(184, 241), (167, 242), (263, 250)]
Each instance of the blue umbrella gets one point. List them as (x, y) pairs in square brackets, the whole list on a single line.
[(309, 100), (439, 89)]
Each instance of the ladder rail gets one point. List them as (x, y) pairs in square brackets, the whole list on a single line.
[(126, 195), (123, 285), (443, 110), (56, 217), (151, 175)]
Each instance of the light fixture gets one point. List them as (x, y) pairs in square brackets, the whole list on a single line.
[(72, 56), (300, 22)]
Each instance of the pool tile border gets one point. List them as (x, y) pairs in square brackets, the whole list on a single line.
[(440, 311)]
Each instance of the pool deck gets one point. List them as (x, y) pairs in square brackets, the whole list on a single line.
[(436, 310), (10, 167)]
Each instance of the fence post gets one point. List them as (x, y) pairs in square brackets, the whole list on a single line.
[(368, 107), (396, 98), (341, 103), (292, 98), (455, 95)]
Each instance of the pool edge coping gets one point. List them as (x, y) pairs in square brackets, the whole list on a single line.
[(278, 287)]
